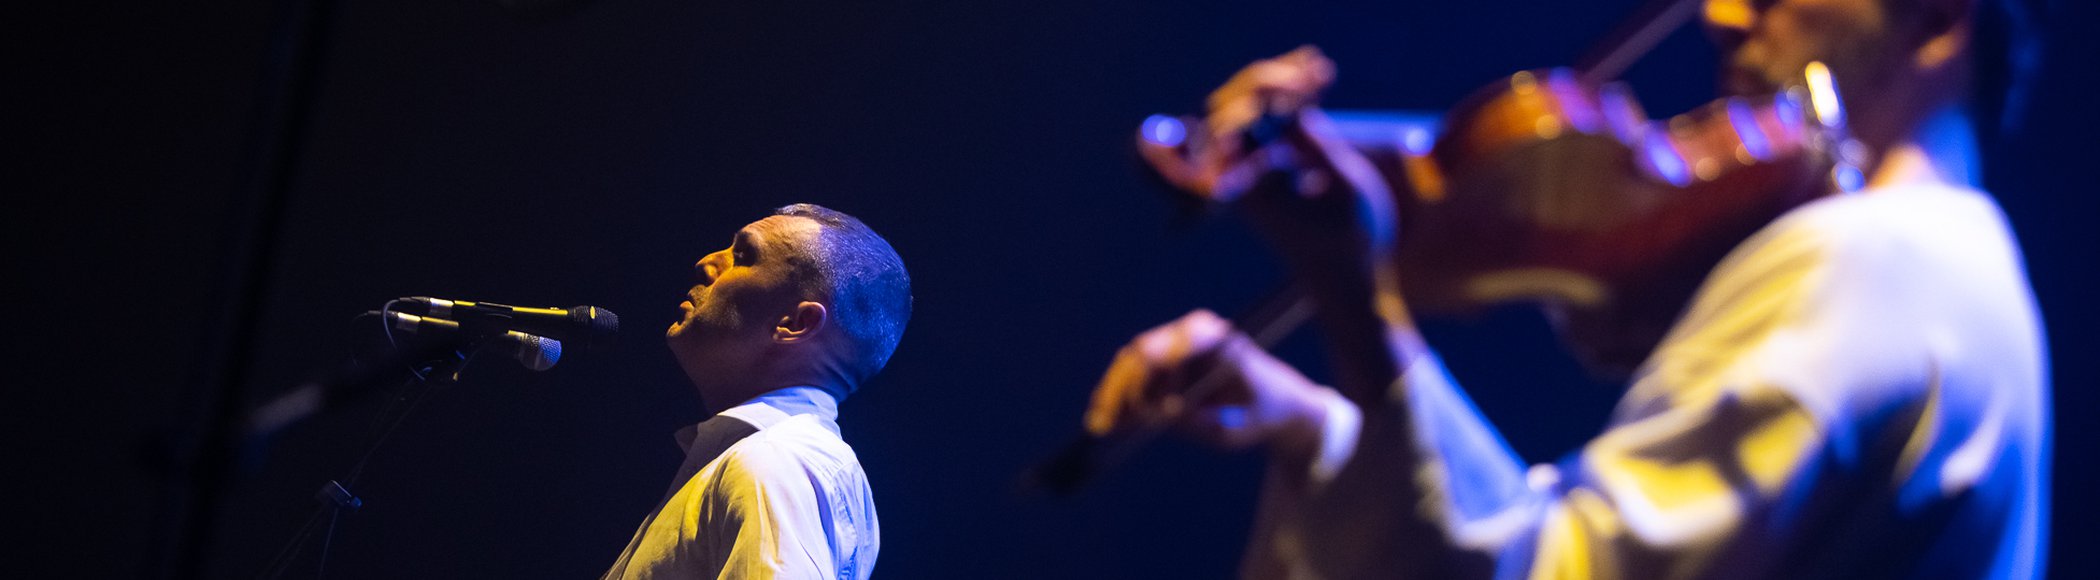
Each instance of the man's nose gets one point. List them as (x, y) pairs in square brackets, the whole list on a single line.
[(708, 268)]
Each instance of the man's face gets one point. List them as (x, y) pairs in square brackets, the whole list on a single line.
[(739, 294), (1765, 44)]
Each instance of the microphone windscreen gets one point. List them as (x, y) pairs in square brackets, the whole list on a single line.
[(536, 352), (603, 324)]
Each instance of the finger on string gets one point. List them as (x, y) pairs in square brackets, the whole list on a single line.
[(1356, 172)]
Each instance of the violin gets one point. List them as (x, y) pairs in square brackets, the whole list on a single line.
[(1546, 185), (1553, 185)]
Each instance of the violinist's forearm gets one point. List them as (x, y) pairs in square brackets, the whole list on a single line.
[(1356, 342), (1371, 336), (1375, 499)]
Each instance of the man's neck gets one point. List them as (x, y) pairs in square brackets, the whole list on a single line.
[(797, 401), (715, 403), (1942, 151)]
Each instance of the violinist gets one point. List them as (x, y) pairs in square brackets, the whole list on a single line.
[(1856, 389)]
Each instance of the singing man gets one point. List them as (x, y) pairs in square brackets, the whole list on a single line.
[(797, 313)]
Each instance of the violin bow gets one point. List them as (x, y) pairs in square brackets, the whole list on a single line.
[(1633, 39)]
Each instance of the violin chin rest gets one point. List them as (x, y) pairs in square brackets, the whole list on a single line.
[(1536, 284)]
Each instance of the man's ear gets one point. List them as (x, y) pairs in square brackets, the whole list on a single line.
[(805, 322)]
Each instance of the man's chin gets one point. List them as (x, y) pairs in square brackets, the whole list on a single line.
[(684, 328), (682, 335), (685, 319)]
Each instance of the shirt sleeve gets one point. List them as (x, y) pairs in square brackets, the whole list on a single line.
[(1705, 465), (770, 520), (1654, 498)]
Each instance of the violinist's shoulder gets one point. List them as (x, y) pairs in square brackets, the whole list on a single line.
[(1904, 257), (1909, 249), (1910, 230)]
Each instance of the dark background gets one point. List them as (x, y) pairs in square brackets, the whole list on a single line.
[(548, 153)]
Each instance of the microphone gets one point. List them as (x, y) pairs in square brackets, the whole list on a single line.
[(591, 326), (377, 357), (535, 352)]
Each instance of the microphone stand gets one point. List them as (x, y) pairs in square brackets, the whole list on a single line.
[(429, 367)]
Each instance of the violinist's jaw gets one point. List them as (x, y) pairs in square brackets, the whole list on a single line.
[(1896, 62)]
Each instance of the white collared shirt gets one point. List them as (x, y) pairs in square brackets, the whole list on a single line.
[(789, 501)]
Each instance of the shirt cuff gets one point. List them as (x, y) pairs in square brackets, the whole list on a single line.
[(1339, 431)]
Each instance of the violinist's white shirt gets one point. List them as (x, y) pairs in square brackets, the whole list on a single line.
[(1859, 390)]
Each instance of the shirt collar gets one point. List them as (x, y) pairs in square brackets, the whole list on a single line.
[(790, 401), (799, 401)]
